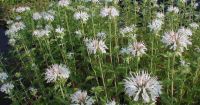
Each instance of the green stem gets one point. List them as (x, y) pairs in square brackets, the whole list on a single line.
[(102, 76), (172, 75), (61, 90)]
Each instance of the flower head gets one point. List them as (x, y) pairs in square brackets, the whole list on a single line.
[(95, 45), (6, 88), (81, 15), (194, 25), (101, 35), (15, 27), (185, 31), (111, 103), (142, 86), (60, 30), (37, 16), (109, 11), (81, 98), (63, 3), (160, 15), (48, 16), (22, 9), (56, 72), (173, 9), (137, 48), (176, 41), (41, 32), (155, 25), (3, 76)]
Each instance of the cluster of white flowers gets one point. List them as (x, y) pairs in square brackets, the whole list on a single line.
[(101, 35), (94, 45), (124, 51), (3, 76), (160, 15), (63, 3), (142, 86), (93, 1), (137, 48), (156, 25), (111, 12), (37, 16), (128, 29), (173, 9), (111, 103), (59, 30), (56, 72), (48, 16), (81, 15), (81, 98), (15, 27), (6, 88), (194, 25), (41, 32), (185, 31), (177, 40), (21, 9)]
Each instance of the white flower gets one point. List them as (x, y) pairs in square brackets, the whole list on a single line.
[(6, 88), (160, 15), (111, 103), (93, 1), (56, 72), (18, 18), (184, 63), (22, 9), (47, 16), (41, 32), (155, 25), (78, 33), (124, 51), (33, 90), (37, 16), (173, 9), (137, 48), (95, 45), (60, 30), (15, 27), (109, 11), (196, 5), (194, 25), (81, 15), (185, 31), (81, 98), (12, 41), (128, 29), (176, 41), (9, 22), (63, 3), (142, 86), (3, 76), (101, 35)]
